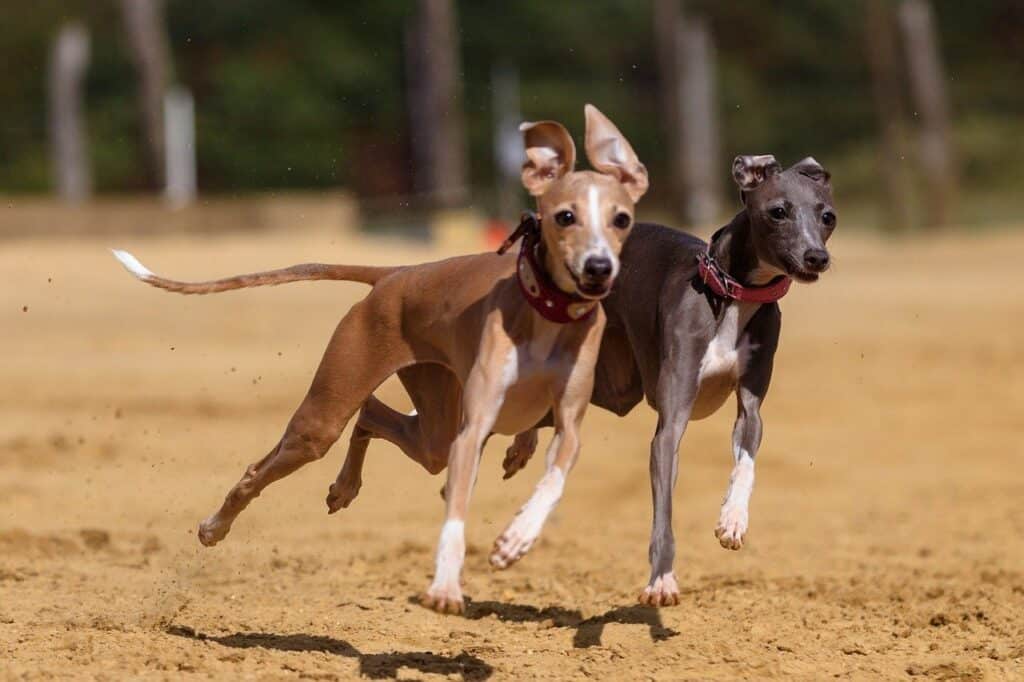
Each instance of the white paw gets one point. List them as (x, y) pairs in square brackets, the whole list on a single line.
[(663, 591), (444, 598), (732, 526), (513, 544)]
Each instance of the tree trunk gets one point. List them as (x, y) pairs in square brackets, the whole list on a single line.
[(144, 24), (880, 45), (927, 86), (698, 145), (686, 65), (68, 63), (437, 127), (667, 17)]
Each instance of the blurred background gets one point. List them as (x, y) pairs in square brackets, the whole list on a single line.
[(404, 108), (211, 138)]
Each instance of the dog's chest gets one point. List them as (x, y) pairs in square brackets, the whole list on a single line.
[(720, 366), (533, 370)]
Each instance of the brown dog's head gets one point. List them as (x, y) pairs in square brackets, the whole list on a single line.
[(585, 215), (791, 213)]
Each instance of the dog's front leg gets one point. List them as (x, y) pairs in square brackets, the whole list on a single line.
[(520, 535), (677, 386), (492, 374), (571, 404), (746, 437), (759, 344)]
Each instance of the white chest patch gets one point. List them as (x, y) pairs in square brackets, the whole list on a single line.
[(720, 356), (720, 366)]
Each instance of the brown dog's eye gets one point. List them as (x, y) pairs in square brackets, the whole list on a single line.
[(778, 213), (622, 220), (565, 218), (829, 218)]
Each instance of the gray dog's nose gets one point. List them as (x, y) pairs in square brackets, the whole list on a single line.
[(597, 267), (816, 259)]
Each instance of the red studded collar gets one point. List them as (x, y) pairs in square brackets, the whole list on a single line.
[(724, 285)]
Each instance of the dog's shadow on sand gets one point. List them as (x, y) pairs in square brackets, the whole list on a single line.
[(374, 666), (470, 668), (588, 630)]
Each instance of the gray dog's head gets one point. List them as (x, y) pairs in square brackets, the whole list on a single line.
[(791, 213)]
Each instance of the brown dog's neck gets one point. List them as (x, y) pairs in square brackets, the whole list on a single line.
[(544, 260), (733, 248)]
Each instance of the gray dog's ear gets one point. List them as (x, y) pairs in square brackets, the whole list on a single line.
[(813, 170), (550, 154), (750, 171), (610, 152)]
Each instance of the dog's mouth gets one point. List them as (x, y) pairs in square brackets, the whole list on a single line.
[(587, 288), (801, 274), (804, 276)]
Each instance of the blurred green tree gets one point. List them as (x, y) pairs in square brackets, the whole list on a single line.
[(311, 93)]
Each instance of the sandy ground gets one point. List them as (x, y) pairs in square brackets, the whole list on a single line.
[(886, 521)]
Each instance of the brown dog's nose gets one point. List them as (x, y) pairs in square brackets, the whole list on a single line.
[(816, 260), (597, 267)]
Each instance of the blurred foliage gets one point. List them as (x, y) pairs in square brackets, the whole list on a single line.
[(310, 93)]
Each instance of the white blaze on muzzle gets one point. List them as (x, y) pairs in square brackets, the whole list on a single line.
[(597, 244)]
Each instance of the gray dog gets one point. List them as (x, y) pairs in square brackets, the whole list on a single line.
[(689, 323)]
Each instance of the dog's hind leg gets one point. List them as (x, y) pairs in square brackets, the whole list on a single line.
[(519, 452), (345, 378), (425, 435)]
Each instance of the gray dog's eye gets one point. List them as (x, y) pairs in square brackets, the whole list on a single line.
[(778, 213), (621, 220), (829, 218), (565, 218)]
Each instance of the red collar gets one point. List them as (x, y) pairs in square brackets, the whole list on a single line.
[(724, 286), (538, 288)]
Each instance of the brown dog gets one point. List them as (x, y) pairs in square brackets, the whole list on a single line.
[(486, 323)]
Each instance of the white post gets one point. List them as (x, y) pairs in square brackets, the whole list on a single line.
[(67, 135), (180, 147)]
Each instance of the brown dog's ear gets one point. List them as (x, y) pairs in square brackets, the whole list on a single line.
[(550, 154), (609, 152), (813, 170), (750, 171)]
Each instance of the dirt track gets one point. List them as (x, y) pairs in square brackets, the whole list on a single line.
[(886, 523)]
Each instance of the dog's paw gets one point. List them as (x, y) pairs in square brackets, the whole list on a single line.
[(663, 591), (510, 547), (520, 536), (340, 495), (732, 526), (444, 599), (519, 453), (212, 531)]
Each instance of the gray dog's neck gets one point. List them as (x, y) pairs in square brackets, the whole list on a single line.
[(733, 248)]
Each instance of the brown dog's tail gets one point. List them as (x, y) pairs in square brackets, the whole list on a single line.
[(367, 274)]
